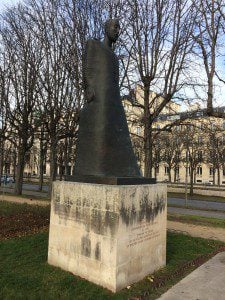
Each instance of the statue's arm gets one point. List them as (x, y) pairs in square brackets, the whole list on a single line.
[(88, 71)]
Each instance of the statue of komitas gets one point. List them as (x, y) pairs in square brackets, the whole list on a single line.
[(104, 146)]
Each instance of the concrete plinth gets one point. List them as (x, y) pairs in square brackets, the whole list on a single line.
[(110, 235)]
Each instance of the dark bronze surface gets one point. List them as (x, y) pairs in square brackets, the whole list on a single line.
[(104, 146), (111, 180)]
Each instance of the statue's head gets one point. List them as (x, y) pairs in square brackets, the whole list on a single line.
[(112, 29)]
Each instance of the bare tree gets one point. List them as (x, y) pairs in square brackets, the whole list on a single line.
[(207, 34), (23, 62), (160, 44), (215, 149), (192, 151)]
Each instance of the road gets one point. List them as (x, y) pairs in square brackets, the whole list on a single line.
[(195, 212), (28, 189), (198, 204)]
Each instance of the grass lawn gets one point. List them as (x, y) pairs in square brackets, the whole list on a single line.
[(25, 273), (196, 197), (197, 220)]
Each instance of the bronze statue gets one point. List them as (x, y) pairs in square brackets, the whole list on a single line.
[(104, 148)]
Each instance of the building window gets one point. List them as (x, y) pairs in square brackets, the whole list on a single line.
[(223, 172), (187, 156), (224, 125), (199, 170), (157, 170), (138, 130), (212, 154), (166, 170), (200, 140), (200, 156), (44, 169), (211, 171), (223, 139)]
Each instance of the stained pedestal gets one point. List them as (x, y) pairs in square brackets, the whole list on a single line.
[(112, 235)]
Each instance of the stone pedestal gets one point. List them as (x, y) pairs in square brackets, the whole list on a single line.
[(110, 235)]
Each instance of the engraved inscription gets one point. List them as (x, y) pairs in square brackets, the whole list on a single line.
[(141, 233)]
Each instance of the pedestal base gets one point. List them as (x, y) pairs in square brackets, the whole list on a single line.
[(111, 235)]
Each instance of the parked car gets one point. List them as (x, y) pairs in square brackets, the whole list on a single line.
[(7, 179), (206, 182)]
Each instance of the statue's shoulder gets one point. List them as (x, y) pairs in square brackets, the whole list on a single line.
[(93, 43)]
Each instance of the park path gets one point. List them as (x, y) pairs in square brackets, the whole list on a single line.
[(205, 232), (17, 199), (190, 229)]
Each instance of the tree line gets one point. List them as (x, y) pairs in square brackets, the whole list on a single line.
[(192, 145), (162, 45)]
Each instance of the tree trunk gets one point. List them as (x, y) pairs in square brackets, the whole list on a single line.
[(148, 155), (147, 135), (19, 171), (218, 176), (66, 157), (214, 176), (41, 164), (14, 165), (156, 173), (1, 159), (53, 164), (191, 181), (175, 174), (60, 170), (169, 174)]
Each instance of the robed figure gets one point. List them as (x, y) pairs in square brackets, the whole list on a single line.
[(104, 146)]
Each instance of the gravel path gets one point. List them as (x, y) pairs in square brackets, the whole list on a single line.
[(17, 199), (205, 232)]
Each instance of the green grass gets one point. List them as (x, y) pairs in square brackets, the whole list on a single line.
[(197, 220), (25, 273), (196, 197)]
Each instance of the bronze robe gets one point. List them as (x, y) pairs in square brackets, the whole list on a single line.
[(104, 147)]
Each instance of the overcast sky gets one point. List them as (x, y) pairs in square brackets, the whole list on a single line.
[(4, 3), (219, 88)]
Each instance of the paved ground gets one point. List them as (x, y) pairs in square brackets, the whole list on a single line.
[(204, 283), (29, 190), (196, 212), (26, 186), (198, 204), (17, 199), (206, 232)]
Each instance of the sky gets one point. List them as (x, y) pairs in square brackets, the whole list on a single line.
[(4, 3), (219, 99)]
